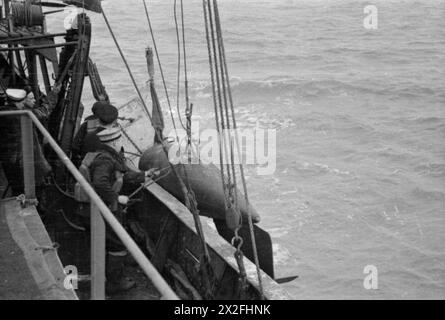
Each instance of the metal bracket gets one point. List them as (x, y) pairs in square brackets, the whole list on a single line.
[(24, 203), (44, 249)]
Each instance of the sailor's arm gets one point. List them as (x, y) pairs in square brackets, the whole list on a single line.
[(134, 177), (46, 105)]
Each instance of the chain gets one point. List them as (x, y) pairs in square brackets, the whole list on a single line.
[(237, 242)]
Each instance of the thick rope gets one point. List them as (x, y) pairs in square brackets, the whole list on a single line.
[(218, 86), (178, 77), (229, 187), (232, 190), (27, 14), (252, 234), (212, 78), (130, 140), (186, 85), (221, 73)]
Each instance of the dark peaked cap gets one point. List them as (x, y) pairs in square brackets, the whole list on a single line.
[(105, 112)]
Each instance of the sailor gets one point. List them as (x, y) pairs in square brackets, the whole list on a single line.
[(10, 136), (104, 116), (109, 175)]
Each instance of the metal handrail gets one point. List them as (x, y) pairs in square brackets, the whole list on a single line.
[(96, 205)]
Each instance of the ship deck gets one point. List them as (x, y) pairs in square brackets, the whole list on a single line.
[(30, 268)]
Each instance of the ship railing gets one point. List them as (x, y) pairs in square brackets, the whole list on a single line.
[(100, 213)]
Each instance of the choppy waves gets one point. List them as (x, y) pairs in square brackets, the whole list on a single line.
[(279, 89)]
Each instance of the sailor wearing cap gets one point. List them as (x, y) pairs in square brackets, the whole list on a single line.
[(16, 95), (104, 116), (10, 136), (23, 99), (10, 140), (109, 176), (20, 98)]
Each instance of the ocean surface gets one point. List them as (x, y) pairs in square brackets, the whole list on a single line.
[(360, 120)]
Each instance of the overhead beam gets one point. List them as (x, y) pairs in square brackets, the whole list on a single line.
[(46, 46), (43, 36)]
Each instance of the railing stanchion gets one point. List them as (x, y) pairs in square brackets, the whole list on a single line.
[(97, 254), (28, 157)]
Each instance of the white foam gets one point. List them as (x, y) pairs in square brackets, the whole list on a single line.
[(281, 255)]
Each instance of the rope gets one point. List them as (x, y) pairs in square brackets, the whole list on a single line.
[(216, 76), (66, 194), (229, 186), (232, 190), (160, 68), (187, 102), (72, 224), (179, 65), (130, 140), (27, 14), (137, 155), (149, 183), (223, 55), (212, 77)]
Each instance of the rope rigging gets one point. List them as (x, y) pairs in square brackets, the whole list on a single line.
[(207, 270), (186, 85), (220, 125), (27, 14), (178, 77), (226, 120)]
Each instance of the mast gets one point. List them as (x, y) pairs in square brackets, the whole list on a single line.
[(73, 110)]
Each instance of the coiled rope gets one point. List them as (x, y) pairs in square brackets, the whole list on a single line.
[(27, 14)]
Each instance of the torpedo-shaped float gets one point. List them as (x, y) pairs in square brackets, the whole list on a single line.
[(204, 179), (206, 182)]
